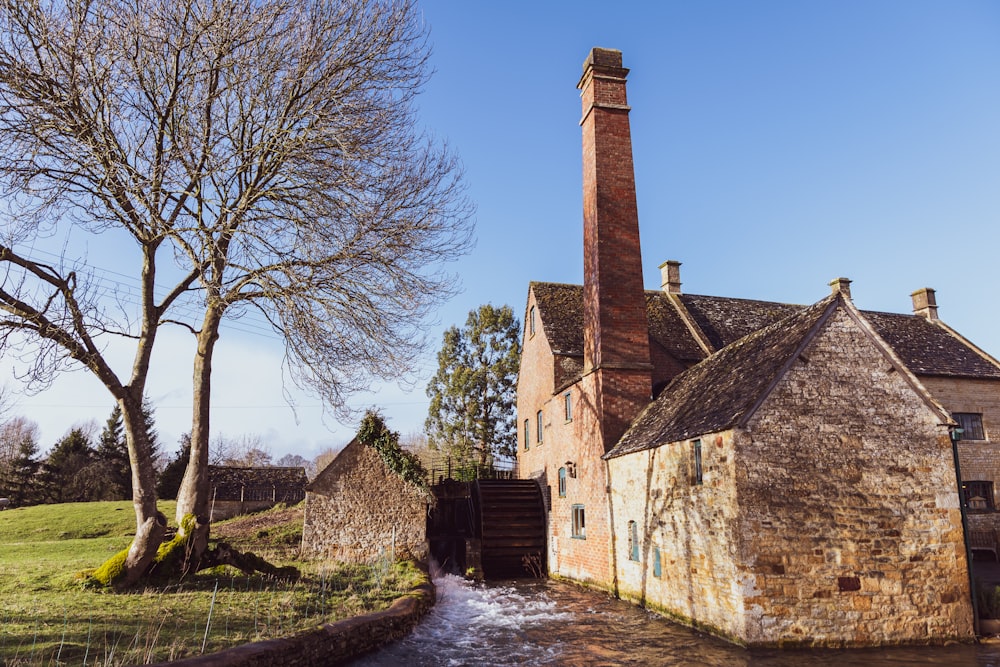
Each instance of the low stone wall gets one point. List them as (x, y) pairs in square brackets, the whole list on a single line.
[(329, 644)]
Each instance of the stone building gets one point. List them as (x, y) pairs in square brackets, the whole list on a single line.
[(777, 474), (358, 510)]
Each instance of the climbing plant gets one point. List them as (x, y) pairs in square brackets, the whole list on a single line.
[(375, 434)]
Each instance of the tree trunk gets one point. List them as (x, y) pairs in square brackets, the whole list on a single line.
[(193, 496), (150, 523)]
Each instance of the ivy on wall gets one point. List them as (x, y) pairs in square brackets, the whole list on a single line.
[(374, 433)]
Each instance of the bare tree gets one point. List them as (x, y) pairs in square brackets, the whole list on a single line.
[(247, 450), (255, 156)]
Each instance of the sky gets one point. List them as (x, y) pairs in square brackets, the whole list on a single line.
[(777, 146)]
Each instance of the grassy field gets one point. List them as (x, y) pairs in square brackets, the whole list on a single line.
[(47, 617)]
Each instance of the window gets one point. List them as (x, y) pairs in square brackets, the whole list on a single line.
[(579, 523), (978, 495), (657, 568), (538, 428), (562, 482), (633, 540), (568, 402), (696, 454), (531, 321), (527, 435), (971, 424)]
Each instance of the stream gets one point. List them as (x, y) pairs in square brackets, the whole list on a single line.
[(555, 623)]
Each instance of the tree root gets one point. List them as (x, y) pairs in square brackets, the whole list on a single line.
[(245, 561)]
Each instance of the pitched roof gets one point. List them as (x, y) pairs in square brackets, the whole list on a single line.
[(925, 347), (720, 391), (929, 349), (560, 308)]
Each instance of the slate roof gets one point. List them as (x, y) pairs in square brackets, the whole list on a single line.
[(720, 391), (925, 347), (560, 308), (929, 349)]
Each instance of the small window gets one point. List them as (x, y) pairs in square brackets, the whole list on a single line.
[(527, 434), (531, 321), (538, 428), (633, 540), (562, 482), (978, 496), (579, 523), (696, 454), (657, 567), (568, 403), (971, 424)]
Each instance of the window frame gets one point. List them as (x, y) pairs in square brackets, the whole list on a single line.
[(578, 522), (539, 427), (531, 321), (971, 424), (633, 541), (978, 488), (657, 562), (527, 434), (698, 476), (568, 405), (562, 482)]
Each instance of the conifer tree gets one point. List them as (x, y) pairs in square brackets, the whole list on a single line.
[(20, 482), (112, 452), (471, 415)]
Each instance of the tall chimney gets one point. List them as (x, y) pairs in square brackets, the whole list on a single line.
[(616, 330), (925, 303), (670, 276)]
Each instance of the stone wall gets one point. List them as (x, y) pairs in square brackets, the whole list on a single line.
[(357, 509), (329, 644)]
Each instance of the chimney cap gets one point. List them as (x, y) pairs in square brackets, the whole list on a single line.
[(599, 57)]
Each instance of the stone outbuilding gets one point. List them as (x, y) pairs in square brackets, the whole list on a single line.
[(359, 510)]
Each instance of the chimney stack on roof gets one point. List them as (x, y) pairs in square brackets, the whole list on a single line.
[(670, 276), (841, 286), (924, 303)]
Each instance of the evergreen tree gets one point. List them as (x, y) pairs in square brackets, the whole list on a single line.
[(173, 473), (20, 483), (112, 453), (472, 395), (65, 474)]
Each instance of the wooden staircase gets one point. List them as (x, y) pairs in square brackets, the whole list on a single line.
[(512, 521)]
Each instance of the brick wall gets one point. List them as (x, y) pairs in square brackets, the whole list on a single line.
[(834, 516), (357, 509)]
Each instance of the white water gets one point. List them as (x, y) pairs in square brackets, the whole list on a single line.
[(551, 623)]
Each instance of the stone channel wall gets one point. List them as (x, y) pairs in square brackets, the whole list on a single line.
[(329, 644)]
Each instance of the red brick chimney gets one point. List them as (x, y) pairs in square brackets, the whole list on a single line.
[(616, 331)]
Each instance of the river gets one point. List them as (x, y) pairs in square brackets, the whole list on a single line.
[(555, 623)]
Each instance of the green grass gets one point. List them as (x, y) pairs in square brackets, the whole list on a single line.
[(47, 617)]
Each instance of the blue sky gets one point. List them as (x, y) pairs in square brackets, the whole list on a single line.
[(777, 145)]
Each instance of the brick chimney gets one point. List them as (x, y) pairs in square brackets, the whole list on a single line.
[(616, 330), (925, 303)]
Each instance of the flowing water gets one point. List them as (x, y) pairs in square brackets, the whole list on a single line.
[(553, 623)]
